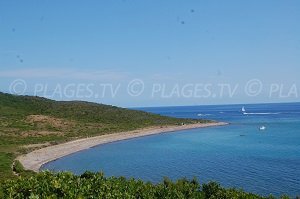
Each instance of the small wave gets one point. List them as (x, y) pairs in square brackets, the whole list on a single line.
[(199, 114)]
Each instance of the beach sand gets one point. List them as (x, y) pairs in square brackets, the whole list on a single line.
[(35, 159)]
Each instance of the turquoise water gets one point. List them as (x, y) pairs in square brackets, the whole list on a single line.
[(238, 155)]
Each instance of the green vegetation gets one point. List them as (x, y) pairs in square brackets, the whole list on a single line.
[(28, 123), (95, 185)]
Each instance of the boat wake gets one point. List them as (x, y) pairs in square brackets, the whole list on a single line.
[(261, 113), (268, 113)]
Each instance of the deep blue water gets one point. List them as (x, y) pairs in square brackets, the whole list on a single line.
[(238, 155)]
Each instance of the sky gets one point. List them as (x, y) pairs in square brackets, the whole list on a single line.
[(135, 53)]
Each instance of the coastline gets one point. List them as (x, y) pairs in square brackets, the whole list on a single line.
[(35, 159)]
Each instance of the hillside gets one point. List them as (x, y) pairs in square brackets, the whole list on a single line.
[(28, 123)]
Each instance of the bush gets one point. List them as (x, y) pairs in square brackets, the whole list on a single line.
[(96, 185)]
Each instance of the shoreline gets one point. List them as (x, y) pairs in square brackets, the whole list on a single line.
[(36, 159)]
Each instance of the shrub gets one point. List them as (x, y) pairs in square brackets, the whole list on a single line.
[(96, 185)]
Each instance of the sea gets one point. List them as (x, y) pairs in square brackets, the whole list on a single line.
[(259, 151)]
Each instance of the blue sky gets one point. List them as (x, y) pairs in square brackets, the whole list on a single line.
[(171, 42)]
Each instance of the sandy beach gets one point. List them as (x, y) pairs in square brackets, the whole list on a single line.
[(35, 159)]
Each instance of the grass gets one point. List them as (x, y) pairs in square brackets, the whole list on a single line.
[(5, 164), (27, 121)]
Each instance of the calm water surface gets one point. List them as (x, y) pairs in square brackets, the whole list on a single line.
[(238, 155)]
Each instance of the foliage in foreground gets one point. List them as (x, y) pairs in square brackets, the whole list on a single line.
[(95, 185)]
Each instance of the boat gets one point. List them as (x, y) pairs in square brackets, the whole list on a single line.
[(244, 110), (262, 128)]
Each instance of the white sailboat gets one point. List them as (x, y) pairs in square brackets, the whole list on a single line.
[(262, 128), (244, 110)]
